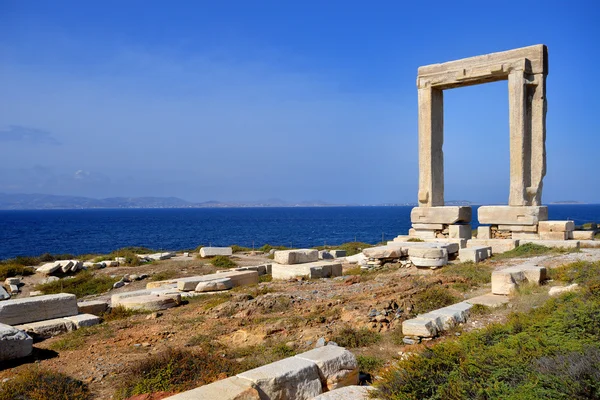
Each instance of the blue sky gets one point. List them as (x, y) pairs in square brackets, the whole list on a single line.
[(299, 100)]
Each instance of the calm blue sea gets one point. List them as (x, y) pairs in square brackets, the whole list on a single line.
[(101, 231)]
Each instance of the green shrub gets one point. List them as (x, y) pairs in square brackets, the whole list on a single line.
[(175, 371), (239, 249), (577, 272), (222, 262), (82, 284), (353, 248), (206, 342), (11, 270), (531, 250), (265, 278), (352, 338), (550, 352), (164, 275), (282, 350), (44, 258), (267, 248), (473, 274), (415, 240), (433, 298), (76, 339), (119, 312), (369, 364), (34, 383)]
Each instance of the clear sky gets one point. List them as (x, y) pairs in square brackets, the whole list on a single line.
[(298, 100)]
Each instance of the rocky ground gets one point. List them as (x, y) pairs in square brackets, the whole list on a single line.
[(249, 321)]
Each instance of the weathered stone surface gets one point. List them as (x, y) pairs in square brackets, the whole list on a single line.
[(12, 281), (4, 294), (321, 269), (452, 245), (233, 388), (49, 268), (462, 231), (551, 236), (525, 236), (512, 215), (518, 228), (31, 309), (427, 252), (359, 258), (325, 255), (14, 343), (290, 378), (240, 278), (337, 366), (498, 245), (347, 393), (558, 290), (475, 254), (381, 252), (94, 307), (489, 300), (297, 256), (484, 232), (567, 244), (506, 280), (449, 316), (215, 251), (419, 327), (429, 262), (152, 302), (440, 215), (47, 328), (216, 285), (84, 320), (581, 235), (422, 233), (428, 227), (556, 226), (115, 299), (337, 253)]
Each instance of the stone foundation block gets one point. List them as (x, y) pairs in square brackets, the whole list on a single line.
[(452, 245), (115, 299), (315, 270), (233, 388), (347, 393), (419, 327), (556, 226), (422, 234), (581, 235), (214, 286), (290, 378), (567, 244), (506, 280), (296, 256), (337, 366), (48, 328), (240, 278), (553, 236), (14, 343), (381, 252), (94, 307), (518, 228), (462, 231), (498, 245), (484, 232), (526, 235), (440, 215), (512, 215), (215, 251), (39, 308), (151, 302), (475, 254), (84, 320), (428, 227)]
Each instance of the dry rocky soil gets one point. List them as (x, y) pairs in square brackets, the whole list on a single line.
[(251, 321)]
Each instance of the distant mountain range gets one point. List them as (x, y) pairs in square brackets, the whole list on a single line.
[(46, 202)]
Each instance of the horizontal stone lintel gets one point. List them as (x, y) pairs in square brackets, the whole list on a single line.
[(441, 215), (512, 215)]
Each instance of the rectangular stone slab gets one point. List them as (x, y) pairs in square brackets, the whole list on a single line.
[(47, 328), (215, 251), (475, 254), (84, 320), (337, 366), (497, 245), (290, 378), (462, 231), (581, 235), (347, 393), (39, 308), (552, 236), (297, 256), (95, 307), (567, 244), (440, 215), (14, 343), (556, 226), (525, 235), (240, 278), (512, 215), (518, 228), (316, 270), (233, 388), (419, 327)]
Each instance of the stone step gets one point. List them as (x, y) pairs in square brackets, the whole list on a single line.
[(39, 308), (315, 270), (337, 366)]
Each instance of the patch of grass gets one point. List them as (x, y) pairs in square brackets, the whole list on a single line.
[(214, 300), (82, 284), (239, 249), (369, 364), (480, 309), (353, 248), (175, 371), (34, 383), (222, 262), (119, 312), (76, 339), (282, 350), (44, 258), (433, 298), (531, 250), (549, 352), (207, 343), (580, 272), (265, 278), (415, 240), (163, 275), (255, 356), (11, 270), (353, 338), (472, 274), (267, 248)]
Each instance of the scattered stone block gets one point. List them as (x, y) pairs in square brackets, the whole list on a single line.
[(512, 215), (12, 281), (475, 254), (13, 289), (316, 270), (337, 253), (567, 244), (337, 366), (298, 256), (506, 280), (290, 378), (215, 251), (359, 258), (14, 343), (115, 299), (214, 286), (158, 284), (440, 215), (381, 252), (462, 231), (581, 235), (49, 268), (498, 245), (556, 226), (452, 245), (47, 328), (233, 388), (429, 262), (152, 302), (120, 260), (239, 278), (84, 320), (325, 255), (347, 393), (484, 232), (39, 308), (427, 252), (419, 327), (4, 295), (36, 293), (489, 300), (94, 307), (558, 290)]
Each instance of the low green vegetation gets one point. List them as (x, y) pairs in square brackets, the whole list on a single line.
[(469, 274), (239, 249), (164, 275), (82, 284), (351, 248), (30, 261), (369, 364), (175, 371), (120, 312), (532, 250), (11, 270), (76, 339), (415, 240), (353, 338), (33, 383), (549, 352), (222, 262), (433, 298), (267, 248)]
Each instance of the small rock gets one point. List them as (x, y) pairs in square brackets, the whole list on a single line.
[(408, 340), (126, 278), (332, 344), (134, 277), (154, 315), (146, 344), (35, 293), (12, 281), (118, 284), (321, 342), (50, 279), (14, 289), (143, 276)]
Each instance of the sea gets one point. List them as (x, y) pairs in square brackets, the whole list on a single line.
[(35, 232)]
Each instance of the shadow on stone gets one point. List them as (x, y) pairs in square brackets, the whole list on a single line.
[(36, 355)]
